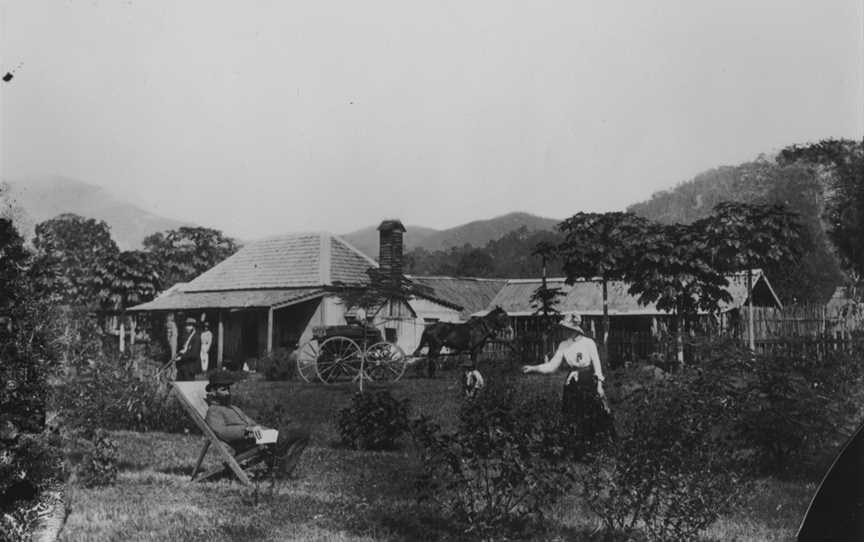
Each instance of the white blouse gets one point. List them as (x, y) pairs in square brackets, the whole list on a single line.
[(577, 353)]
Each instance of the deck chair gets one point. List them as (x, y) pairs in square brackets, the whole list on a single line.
[(192, 396)]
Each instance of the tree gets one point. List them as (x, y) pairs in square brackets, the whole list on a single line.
[(600, 245), (71, 260), (13, 261), (675, 269), (841, 161), (186, 252), (741, 236), (545, 300), (133, 278)]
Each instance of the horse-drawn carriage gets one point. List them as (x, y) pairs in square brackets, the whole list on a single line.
[(350, 352)]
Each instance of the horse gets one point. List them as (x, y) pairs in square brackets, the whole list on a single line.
[(470, 336)]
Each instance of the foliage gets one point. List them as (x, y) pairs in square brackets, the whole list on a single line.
[(13, 262), (743, 236), (842, 161), (601, 245), (506, 463), (184, 253), (795, 405), (676, 465), (373, 421), (29, 465), (281, 364), (112, 395), (814, 276), (510, 256), (134, 278), (72, 255), (676, 271), (30, 458)]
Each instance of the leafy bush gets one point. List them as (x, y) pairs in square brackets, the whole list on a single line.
[(794, 405), (373, 421), (678, 461), (506, 463), (112, 396), (281, 364)]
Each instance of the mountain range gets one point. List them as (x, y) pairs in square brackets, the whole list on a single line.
[(36, 200), (476, 233)]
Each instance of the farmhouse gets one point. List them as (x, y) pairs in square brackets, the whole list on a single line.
[(275, 292)]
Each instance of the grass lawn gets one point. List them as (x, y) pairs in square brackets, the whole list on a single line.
[(338, 494)]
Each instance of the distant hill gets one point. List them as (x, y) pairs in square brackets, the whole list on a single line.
[(480, 232), (477, 233), (40, 199)]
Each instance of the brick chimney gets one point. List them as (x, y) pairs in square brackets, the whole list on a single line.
[(390, 251)]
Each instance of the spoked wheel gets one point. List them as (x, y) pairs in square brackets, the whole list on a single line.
[(385, 362), (338, 356), (307, 359)]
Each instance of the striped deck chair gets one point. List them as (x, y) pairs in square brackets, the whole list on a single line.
[(192, 396)]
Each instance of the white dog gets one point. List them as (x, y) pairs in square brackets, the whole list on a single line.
[(473, 382)]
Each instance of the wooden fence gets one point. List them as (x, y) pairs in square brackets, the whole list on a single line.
[(801, 321)]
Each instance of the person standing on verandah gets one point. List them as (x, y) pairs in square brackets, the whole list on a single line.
[(189, 358), (206, 341), (583, 401)]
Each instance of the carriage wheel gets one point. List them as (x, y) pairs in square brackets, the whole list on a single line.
[(307, 359), (338, 356), (385, 362)]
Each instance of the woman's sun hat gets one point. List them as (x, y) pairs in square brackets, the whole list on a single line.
[(572, 321)]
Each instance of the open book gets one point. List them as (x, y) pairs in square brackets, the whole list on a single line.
[(268, 436)]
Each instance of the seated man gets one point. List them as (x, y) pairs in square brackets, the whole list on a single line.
[(240, 431)]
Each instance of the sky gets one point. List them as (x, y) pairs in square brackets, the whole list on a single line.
[(269, 117)]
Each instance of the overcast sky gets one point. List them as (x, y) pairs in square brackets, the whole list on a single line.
[(275, 116)]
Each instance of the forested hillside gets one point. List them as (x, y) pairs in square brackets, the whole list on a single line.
[(800, 184)]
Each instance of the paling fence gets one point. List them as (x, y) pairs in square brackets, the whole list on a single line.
[(799, 330)]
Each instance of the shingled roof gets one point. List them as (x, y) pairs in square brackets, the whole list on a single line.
[(300, 260), (469, 294), (586, 296)]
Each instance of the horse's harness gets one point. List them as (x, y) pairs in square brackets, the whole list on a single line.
[(489, 333)]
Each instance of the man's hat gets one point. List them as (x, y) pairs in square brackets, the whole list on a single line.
[(219, 379), (572, 321), (191, 321)]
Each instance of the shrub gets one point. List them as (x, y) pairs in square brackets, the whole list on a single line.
[(373, 421), (677, 464), (112, 396), (281, 364), (506, 463), (794, 405)]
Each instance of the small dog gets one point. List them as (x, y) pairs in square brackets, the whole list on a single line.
[(473, 382)]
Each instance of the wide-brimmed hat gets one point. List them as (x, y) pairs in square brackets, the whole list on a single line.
[(218, 380), (572, 321), (191, 321)]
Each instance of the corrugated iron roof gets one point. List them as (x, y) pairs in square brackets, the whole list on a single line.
[(288, 261), (471, 294), (178, 300), (586, 296)]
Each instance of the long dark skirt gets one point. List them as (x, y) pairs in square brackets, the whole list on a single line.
[(583, 407)]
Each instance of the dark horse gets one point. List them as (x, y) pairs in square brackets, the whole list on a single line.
[(470, 336)]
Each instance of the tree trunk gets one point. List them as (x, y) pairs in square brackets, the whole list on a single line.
[(679, 337), (604, 350), (750, 332)]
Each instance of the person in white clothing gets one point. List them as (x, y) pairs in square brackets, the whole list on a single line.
[(206, 341), (583, 400)]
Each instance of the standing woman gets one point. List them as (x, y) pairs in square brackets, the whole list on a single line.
[(583, 401)]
